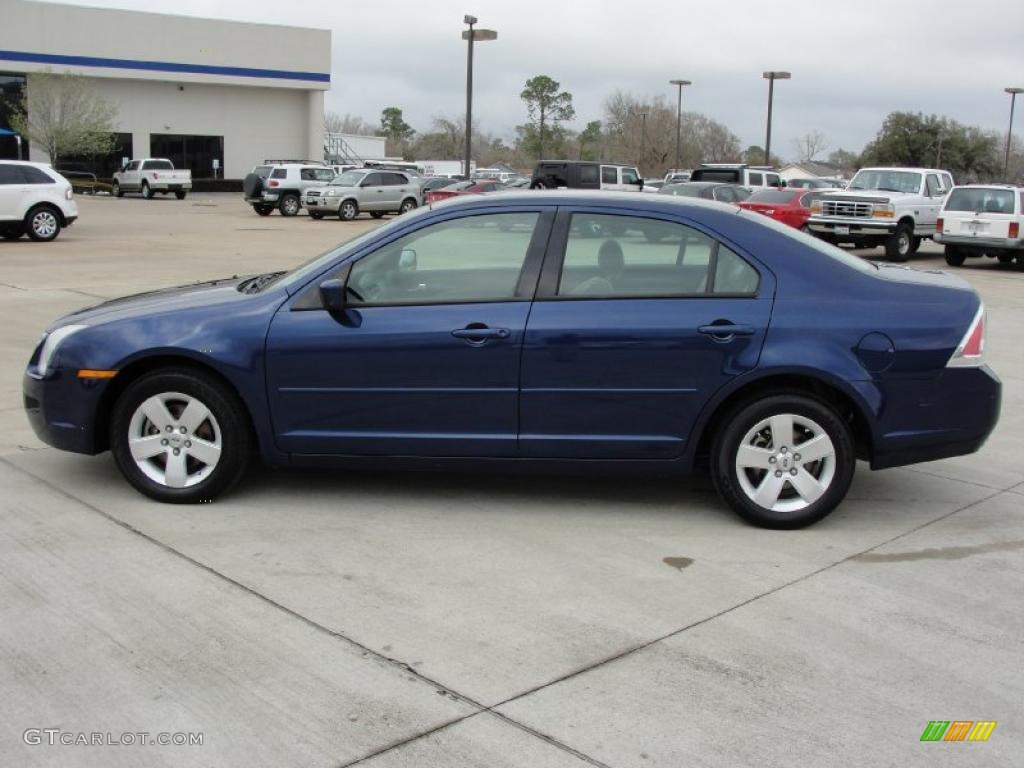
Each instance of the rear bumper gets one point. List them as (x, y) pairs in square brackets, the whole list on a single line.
[(952, 417), (62, 409), (266, 197), (981, 243)]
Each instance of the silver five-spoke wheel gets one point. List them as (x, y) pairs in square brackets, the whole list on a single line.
[(785, 463), (174, 439)]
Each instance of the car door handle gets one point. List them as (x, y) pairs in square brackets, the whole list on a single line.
[(481, 333), (726, 330)]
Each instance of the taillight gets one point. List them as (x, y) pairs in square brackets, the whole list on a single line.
[(938, 225), (1014, 229), (971, 350), (273, 183)]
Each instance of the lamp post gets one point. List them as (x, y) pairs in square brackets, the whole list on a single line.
[(679, 114), (1009, 134), (643, 142), (470, 36), (771, 77)]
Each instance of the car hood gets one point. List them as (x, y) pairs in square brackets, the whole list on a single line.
[(866, 195), (194, 295)]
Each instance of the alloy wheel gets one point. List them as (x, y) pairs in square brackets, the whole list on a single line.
[(44, 224), (174, 439)]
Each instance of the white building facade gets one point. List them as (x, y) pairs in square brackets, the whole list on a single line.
[(201, 92)]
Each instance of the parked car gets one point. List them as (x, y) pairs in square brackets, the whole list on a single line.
[(365, 189), (982, 220), (707, 190), (789, 206), (752, 177), (893, 207), (652, 185), (150, 176), (459, 188), (813, 184), (581, 174), (281, 186), (34, 200), (500, 330), (435, 182), (676, 175)]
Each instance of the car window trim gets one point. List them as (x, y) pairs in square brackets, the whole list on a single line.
[(551, 271), (526, 285)]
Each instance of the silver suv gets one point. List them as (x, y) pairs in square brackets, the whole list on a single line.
[(281, 186), (364, 189)]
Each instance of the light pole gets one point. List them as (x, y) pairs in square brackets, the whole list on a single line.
[(643, 142), (470, 36), (771, 77), (1009, 134), (679, 114)]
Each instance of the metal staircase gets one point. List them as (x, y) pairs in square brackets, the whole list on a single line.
[(337, 151)]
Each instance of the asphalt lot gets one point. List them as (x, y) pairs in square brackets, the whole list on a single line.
[(327, 619)]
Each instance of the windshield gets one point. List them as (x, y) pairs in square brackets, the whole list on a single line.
[(981, 200), (772, 196), (347, 179), (831, 251), (887, 181)]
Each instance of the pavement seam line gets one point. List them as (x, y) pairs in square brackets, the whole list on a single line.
[(388, 660), (961, 480), (647, 644)]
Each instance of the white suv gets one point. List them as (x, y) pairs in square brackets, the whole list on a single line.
[(34, 200), (281, 186), (982, 220)]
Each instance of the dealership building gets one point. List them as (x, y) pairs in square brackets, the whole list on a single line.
[(213, 96)]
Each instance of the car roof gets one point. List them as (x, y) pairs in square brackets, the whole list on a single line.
[(701, 184), (897, 168), (621, 200), (33, 163)]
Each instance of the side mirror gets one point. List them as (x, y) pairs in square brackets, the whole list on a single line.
[(640, 183), (407, 260), (332, 294)]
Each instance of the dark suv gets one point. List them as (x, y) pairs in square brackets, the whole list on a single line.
[(580, 174)]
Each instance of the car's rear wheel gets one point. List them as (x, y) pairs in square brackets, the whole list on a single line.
[(783, 461), (1005, 258), (12, 233), (900, 244), (180, 436), (377, 214), (42, 223), (263, 210), (146, 191), (915, 244), (954, 256), (116, 191), (315, 215), (407, 205), (180, 194), (348, 210), (290, 205)]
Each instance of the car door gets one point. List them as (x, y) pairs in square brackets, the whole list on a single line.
[(371, 192), (932, 203), (637, 323), (131, 178), (424, 361), (610, 177), (395, 187)]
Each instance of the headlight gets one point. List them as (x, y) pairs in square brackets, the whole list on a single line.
[(816, 206), (331, 193), (884, 210), (51, 342)]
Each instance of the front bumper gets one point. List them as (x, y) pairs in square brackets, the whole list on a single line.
[(320, 203), (62, 408), (850, 226)]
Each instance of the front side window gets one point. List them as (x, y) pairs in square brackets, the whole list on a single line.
[(133, 166), (609, 175), (466, 260), (931, 185), (373, 180), (772, 179), (624, 256), (629, 176)]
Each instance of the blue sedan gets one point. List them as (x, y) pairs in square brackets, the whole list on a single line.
[(590, 331)]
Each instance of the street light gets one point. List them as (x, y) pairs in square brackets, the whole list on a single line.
[(771, 77), (643, 141), (471, 36), (679, 114), (1009, 134)]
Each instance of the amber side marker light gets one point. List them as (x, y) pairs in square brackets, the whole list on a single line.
[(88, 373)]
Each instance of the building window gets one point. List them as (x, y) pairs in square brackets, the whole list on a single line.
[(100, 166), (12, 87), (194, 153)]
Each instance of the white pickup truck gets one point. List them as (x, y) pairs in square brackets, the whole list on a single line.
[(893, 207), (152, 175)]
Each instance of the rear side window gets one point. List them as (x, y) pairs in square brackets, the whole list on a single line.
[(157, 165), (33, 175), (394, 179), (756, 179), (631, 257), (609, 175), (588, 174), (279, 173), (980, 200)]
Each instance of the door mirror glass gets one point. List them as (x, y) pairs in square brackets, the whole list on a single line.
[(407, 260), (332, 294)]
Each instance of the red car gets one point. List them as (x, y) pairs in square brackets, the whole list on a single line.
[(477, 187), (790, 206)]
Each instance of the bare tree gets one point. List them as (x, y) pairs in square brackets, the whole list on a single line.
[(351, 124), (809, 146), (65, 116)]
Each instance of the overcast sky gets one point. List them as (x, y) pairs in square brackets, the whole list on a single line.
[(852, 63)]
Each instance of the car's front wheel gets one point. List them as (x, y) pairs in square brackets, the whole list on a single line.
[(783, 461), (42, 223), (348, 210), (900, 244), (116, 190), (180, 436)]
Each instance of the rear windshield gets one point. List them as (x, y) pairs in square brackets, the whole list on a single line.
[(158, 165), (713, 174), (771, 196), (981, 200), (831, 251)]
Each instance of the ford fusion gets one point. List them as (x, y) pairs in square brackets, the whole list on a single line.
[(579, 331)]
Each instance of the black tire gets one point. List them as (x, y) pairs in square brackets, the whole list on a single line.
[(146, 191), (228, 413), (538, 184), (1020, 262), (116, 190), (12, 233), (1005, 258), (409, 204), (180, 195), (290, 205), (252, 186), (377, 214), (348, 210), (42, 223), (315, 215), (915, 244), (954, 256), (899, 245), (838, 470), (263, 210)]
